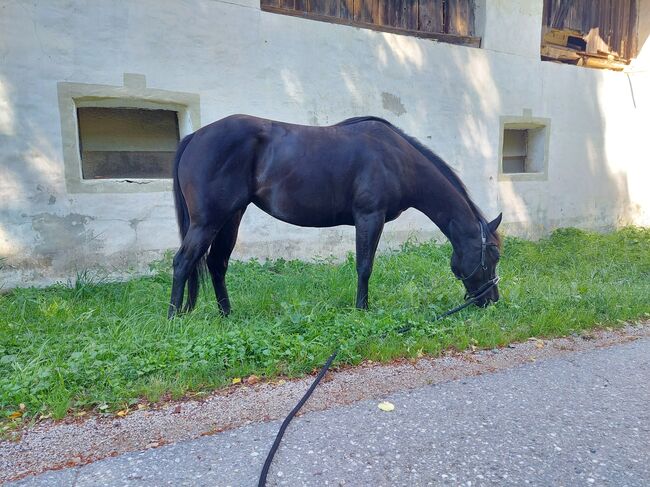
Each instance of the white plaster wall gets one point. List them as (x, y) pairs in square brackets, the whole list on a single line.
[(241, 60)]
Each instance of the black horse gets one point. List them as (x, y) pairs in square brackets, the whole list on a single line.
[(362, 172)]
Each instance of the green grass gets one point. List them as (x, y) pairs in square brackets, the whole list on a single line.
[(106, 345)]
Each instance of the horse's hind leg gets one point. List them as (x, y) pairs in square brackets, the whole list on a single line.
[(368, 228), (218, 258), (192, 287), (194, 246)]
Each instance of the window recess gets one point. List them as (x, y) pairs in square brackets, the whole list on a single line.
[(127, 142)]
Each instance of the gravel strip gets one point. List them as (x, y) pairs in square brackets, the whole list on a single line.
[(53, 445)]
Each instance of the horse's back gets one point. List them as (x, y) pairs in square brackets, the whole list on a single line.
[(305, 175)]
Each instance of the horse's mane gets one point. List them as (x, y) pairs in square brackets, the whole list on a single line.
[(441, 165)]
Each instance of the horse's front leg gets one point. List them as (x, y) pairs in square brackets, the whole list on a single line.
[(368, 227)]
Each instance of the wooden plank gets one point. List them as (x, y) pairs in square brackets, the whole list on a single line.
[(329, 8), (560, 53), (346, 9), (270, 3), (596, 62), (365, 11), (461, 17), (633, 35), (469, 41), (560, 37), (622, 28), (594, 41), (430, 16), (287, 4), (561, 11), (547, 11), (398, 13)]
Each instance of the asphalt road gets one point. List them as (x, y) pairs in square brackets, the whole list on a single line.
[(582, 419)]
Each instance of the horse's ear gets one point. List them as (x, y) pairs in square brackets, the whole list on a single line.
[(494, 224)]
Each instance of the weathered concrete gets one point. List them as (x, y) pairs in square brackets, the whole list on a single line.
[(235, 58)]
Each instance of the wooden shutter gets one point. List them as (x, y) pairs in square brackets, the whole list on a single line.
[(431, 16), (450, 20), (402, 14), (461, 17), (329, 8)]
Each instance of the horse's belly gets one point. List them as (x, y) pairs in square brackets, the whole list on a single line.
[(304, 209)]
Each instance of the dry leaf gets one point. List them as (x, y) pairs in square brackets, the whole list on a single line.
[(122, 413), (236, 380), (386, 406), (539, 344), (22, 406), (281, 381), (253, 379), (15, 415)]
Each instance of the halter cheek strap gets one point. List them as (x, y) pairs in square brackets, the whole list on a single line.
[(481, 264)]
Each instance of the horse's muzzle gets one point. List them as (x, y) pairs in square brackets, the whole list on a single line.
[(492, 296)]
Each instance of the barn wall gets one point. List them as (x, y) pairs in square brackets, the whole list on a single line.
[(237, 59)]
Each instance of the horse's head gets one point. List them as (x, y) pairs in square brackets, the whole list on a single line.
[(474, 261)]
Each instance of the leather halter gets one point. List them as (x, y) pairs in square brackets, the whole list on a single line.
[(481, 265)]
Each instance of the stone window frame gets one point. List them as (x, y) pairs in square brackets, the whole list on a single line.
[(134, 94), (524, 122)]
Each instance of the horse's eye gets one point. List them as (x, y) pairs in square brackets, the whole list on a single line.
[(494, 253)]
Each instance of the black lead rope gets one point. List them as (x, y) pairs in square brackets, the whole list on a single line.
[(278, 438), (287, 420)]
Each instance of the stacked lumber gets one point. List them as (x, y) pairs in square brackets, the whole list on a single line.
[(574, 47)]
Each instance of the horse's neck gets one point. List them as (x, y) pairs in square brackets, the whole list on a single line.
[(445, 204)]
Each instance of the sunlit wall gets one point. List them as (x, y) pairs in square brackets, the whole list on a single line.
[(241, 60)]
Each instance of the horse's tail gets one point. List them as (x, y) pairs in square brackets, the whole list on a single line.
[(183, 220), (182, 214)]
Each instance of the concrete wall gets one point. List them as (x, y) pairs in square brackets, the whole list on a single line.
[(238, 59)]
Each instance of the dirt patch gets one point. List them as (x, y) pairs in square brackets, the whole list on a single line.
[(55, 445)]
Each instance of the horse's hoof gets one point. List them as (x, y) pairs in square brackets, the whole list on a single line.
[(172, 312)]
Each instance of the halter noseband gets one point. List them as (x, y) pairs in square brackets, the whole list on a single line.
[(481, 265)]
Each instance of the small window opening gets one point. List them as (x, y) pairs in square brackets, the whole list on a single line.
[(118, 143), (515, 147), (523, 150)]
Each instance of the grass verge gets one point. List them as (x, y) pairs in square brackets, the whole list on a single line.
[(105, 346)]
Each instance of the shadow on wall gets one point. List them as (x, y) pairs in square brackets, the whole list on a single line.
[(31, 180), (45, 233), (452, 97)]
